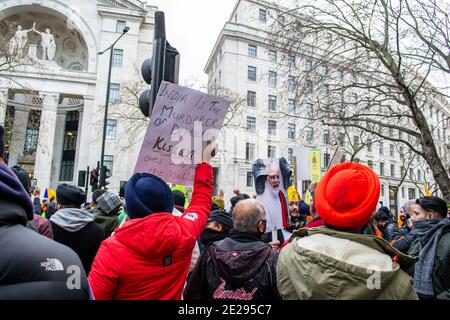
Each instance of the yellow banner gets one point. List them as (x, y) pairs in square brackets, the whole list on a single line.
[(426, 189), (314, 164)]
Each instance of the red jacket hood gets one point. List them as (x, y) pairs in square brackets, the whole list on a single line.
[(156, 235)]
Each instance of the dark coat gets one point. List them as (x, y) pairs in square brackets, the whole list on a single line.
[(441, 269), (389, 229), (109, 221), (33, 266), (84, 242), (240, 267)]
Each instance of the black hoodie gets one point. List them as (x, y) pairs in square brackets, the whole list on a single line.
[(33, 266), (240, 267)]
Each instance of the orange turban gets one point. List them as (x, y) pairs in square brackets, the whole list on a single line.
[(347, 195)]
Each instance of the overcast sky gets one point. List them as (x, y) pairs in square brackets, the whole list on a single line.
[(192, 26)]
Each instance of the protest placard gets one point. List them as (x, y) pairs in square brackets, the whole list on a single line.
[(181, 123)]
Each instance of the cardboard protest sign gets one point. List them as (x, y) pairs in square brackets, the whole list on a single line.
[(337, 158), (271, 178), (308, 162), (181, 123)]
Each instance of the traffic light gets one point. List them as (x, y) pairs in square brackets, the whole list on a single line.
[(94, 179), (105, 173), (164, 65)]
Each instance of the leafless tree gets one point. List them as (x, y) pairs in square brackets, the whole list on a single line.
[(379, 67)]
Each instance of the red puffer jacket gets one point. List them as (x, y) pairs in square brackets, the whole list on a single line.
[(149, 258)]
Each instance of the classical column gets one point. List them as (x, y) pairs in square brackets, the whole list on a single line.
[(19, 129), (44, 153), (3, 104), (85, 134)]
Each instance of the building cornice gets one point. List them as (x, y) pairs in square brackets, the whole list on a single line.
[(121, 12)]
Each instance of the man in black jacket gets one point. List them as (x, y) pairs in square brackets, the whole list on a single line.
[(75, 227), (240, 267), (33, 266), (385, 224)]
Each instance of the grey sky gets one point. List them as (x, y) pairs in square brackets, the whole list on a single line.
[(192, 26)]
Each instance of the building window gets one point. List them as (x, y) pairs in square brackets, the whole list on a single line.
[(309, 110), (308, 65), (249, 179), (249, 151), (403, 192), (290, 155), (251, 73), (281, 20), (370, 164), (326, 160), (262, 15), (291, 130), (108, 162), (369, 146), (291, 61), (272, 103), (355, 140), (411, 193), (325, 90), (117, 58), (411, 173), (251, 99), (114, 92), (272, 79), (381, 148), (341, 139), (381, 169), (326, 136), (323, 70), (251, 124), (252, 51), (328, 37), (308, 87), (272, 56), (291, 83), (271, 152), (31, 140), (291, 107), (272, 128), (111, 129), (419, 175), (391, 150), (66, 170), (69, 146), (120, 26), (391, 132), (382, 190), (392, 170), (309, 134)]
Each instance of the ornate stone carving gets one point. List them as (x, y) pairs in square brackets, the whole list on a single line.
[(48, 44)]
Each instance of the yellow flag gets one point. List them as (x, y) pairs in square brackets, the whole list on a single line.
[(308, 198), (426, 189)]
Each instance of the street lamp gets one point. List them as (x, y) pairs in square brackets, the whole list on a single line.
[(111, 48)]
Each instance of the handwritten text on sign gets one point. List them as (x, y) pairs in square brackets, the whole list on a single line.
[(181, 122)]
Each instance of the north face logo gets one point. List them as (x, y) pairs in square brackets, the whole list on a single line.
[(52, 265), (191, 216)]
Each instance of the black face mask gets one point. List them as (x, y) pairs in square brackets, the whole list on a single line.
[(209, 235)]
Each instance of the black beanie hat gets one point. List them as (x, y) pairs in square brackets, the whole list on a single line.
[(178, 198), (23, 177), (222, 217), (70, 195)]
